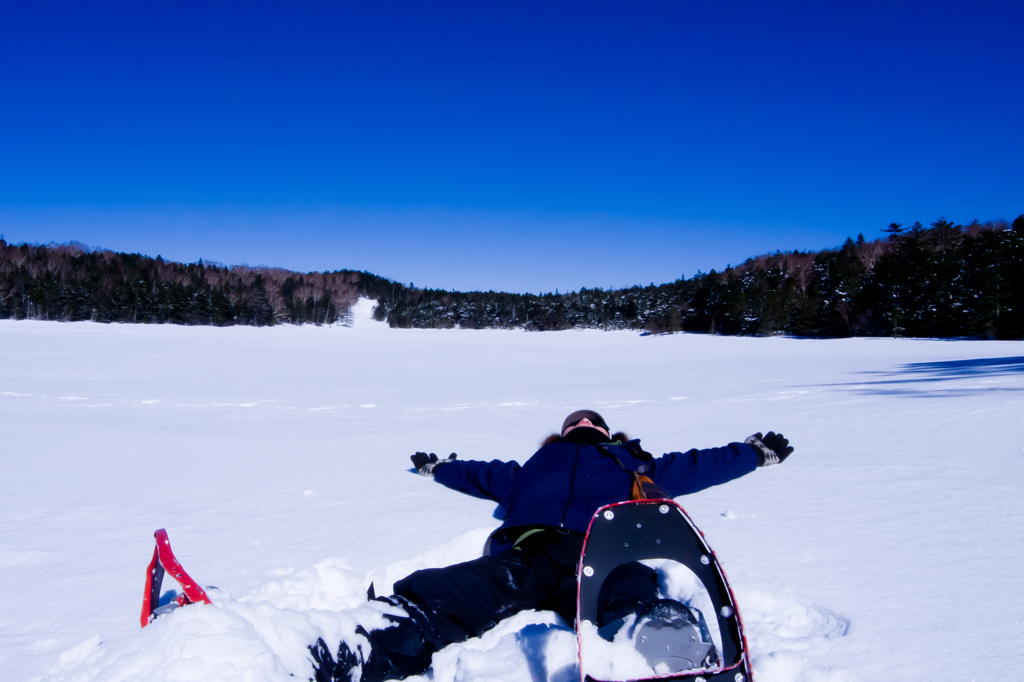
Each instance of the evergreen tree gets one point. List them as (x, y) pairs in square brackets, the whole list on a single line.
[(894, 230), (1010, 323)]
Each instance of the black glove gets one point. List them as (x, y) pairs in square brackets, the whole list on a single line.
[(425, 464), (771, 449)]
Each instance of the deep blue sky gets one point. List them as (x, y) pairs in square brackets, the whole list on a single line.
[(524, 146)]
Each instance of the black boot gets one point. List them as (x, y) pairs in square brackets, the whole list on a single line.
[(347, 661), (323, 662), (327, 669), (396, 652)]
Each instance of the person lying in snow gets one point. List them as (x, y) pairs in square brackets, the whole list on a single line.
[(531, 560)]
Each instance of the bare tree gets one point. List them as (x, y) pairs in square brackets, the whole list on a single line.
[(343, 300), (278, 306), (870, 252), (244, 274), (800, 267)]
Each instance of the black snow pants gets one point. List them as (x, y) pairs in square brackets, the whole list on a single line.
[(453, 604)]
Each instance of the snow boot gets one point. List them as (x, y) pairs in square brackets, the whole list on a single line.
[(323, 662), (327, 669), (395, 652)]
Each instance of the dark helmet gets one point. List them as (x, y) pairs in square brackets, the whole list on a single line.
[(579, 415)]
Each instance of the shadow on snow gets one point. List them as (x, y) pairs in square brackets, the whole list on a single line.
[(905, 377)]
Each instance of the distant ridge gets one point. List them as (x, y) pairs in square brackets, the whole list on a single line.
[(944, 281)]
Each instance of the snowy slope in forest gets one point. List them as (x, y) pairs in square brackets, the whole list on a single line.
[(889, 547)]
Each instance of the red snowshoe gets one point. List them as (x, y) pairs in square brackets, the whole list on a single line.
[(165, 562)]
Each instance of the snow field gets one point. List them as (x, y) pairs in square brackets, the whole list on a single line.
[(888, 547)]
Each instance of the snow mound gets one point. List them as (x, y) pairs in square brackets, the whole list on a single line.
[(327, 585), (532, 645), (790, 641), (465, 547), (263, 636)]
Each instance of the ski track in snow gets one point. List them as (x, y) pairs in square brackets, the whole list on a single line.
[(277, 460)]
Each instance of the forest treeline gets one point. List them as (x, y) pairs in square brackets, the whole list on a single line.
[(946, 280), (70, 282)]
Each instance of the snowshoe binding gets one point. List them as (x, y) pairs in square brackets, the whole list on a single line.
[(674, 637)]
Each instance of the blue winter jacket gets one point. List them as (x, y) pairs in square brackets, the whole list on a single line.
[(564, 483)]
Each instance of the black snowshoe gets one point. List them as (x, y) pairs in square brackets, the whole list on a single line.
[(674, 639)]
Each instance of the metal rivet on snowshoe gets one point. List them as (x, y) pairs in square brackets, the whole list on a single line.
[(726, 611), (739, 677), (625, 544), (705, 560), (699, 679), (609, 514), (663, 509), (657, 542), (638, 525), (588, 571)]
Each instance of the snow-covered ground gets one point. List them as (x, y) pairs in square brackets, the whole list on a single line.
[(889, 547)]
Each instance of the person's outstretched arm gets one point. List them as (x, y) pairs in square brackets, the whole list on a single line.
[(488, 480), (681, 473)]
